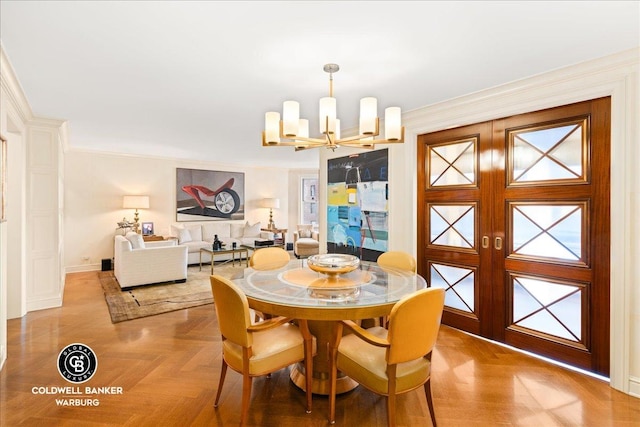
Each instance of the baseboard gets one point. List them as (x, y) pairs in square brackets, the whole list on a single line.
[(83, 267), (3, 356), (44, 303), (634, 386)]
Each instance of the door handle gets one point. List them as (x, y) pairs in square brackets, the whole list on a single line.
[(485, 242), (498, 243)]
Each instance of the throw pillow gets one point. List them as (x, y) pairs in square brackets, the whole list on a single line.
[(251, 230), (137, 242), (196, 233), (184, 236), (304, 233), (175, 230)]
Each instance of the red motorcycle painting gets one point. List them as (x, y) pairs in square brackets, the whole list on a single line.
[(225, 201)]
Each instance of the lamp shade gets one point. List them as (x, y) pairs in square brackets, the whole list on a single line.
[(135, 202), (270, 203)]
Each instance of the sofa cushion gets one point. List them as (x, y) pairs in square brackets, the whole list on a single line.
[(222, 229), (251, 230), (175, 230), (237, 230), (304, 233), (137, 242), (195, 246), (196, 232), (184, 236)]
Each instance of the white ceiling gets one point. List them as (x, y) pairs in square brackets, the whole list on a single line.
[(193, 80)]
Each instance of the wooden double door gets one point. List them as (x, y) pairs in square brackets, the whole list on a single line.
[(513, 221)]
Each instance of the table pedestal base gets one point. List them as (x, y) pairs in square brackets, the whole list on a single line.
[(321, 385), (322, 330)]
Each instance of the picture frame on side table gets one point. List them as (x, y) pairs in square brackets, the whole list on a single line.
[(147, 229)]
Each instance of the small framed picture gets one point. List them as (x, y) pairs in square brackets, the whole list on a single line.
[(147, 229)]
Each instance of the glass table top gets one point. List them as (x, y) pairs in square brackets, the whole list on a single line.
[(297, 285)]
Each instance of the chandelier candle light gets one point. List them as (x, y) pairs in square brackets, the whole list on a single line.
[(292, 131)]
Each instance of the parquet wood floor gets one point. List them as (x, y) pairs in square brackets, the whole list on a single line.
[(168, 368)]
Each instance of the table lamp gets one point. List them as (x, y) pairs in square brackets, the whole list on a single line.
[(272, 204), (135, 202)]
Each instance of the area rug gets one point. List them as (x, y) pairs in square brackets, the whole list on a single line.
[(150, 300)]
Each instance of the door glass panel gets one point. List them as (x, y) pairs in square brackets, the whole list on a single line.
[(452, 164), (459, 285), (548, 154), (550, 231), (547, 307), (452, 225)]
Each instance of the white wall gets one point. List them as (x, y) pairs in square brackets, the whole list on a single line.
[(96, 182)]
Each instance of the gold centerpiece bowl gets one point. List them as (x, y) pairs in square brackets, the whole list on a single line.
[(333, 264)]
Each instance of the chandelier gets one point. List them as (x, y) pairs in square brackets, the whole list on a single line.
[(292, 131)]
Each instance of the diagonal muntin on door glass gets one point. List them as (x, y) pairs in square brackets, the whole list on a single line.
[(548, 307), (452, 225), (549, 154), (452, 164)]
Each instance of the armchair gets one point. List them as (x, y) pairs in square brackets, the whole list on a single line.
[(305, 241), (260, 349), (149, 262), (394, 360)]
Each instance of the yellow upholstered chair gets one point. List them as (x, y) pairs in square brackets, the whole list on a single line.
[(397, 259), (269, 259), (393, 361), (260, 349)]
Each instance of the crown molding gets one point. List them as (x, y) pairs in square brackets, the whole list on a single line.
[(12, 88), (584, 81)]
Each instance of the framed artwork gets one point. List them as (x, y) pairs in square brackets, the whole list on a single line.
[(357, 204), (204, 195), (147, 229), (3, 179)]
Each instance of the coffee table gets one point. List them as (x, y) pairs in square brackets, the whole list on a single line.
[(225, 251)]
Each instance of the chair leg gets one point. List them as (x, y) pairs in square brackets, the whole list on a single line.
[(309, 380), (333, 370), (333, 377), (246, 396), (308, 361), (391, 397), (223, 373), (391, 410), (427, 392)]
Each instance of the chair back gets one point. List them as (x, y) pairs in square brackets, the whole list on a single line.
[(232, 311), (397, 259), (269, 259), (414, 323)]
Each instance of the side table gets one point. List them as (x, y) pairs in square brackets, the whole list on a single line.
[(279, 236)]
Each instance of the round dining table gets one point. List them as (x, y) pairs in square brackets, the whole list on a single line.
[(296, 291)]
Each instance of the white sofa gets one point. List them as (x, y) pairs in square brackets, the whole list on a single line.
[(141, 263), (201, 235)]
